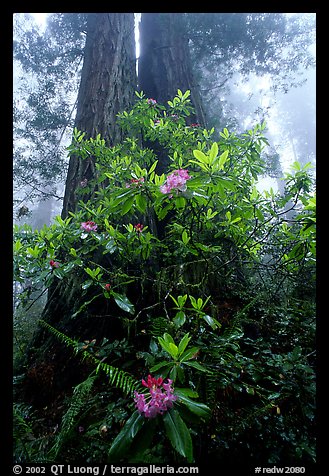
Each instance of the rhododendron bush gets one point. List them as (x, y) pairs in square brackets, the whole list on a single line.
[(193, 265)]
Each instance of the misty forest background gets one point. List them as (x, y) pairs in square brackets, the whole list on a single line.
[(208, 282)]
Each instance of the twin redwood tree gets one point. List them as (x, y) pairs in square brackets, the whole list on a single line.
[(108, 83), (108, 78)]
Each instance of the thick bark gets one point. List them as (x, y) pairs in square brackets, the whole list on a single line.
[(164, 63), (108, 82), (164, 67)]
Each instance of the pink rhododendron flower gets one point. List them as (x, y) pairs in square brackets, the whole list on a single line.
[(83, 183), (135, 182), (151, 102), (139, 227), (159, 400), (89, 226), (54, 264), (176, 180), (152, 382)]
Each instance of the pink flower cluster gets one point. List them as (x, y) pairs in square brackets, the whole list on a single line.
[(135, 182), (89, 226), (151, 102), (160, 399), (177, 180), (54, 264), (84, 183), (139, 227)]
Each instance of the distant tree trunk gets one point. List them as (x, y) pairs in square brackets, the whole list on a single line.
[(164, 63), (42, 215), (108, 82)]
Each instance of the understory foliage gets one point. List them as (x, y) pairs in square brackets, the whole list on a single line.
[(201, 291)]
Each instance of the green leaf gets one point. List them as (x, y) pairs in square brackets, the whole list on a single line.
[(193, 302), (161, 365), (145, 437), (180, 202), (123, 302), (183, 343), (187, 392), (141, 203), (188, 354), (186, 94), (93, 273), (203, 166), (124, 439), (173, 350), (213, 152), (17, 246), (110, 246), (127, 205), (164, 345), (178, 434), (172, 297), (182, 300), (213, 323), (201, 156), (58, 273), (73, 252), (200, 409), (196, 365), (152, 168), (87, 284), (168, 338), (179, 319), (185, 237)]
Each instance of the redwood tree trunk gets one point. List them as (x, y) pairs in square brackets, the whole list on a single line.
[(164, 63), (108, 82), (164, 67)]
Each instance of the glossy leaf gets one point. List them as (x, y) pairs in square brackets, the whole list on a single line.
[(178, 434), (124, 439), (123, 302)]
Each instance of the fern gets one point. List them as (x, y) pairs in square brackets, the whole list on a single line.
[(117, 377), (78, 400), (21, 431), (159, 326)]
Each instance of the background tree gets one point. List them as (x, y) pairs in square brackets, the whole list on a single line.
[(46, 76), (246, 63)]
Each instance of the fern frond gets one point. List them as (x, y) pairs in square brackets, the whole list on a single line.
[(117, 377), (78, 400), (159, 326)]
